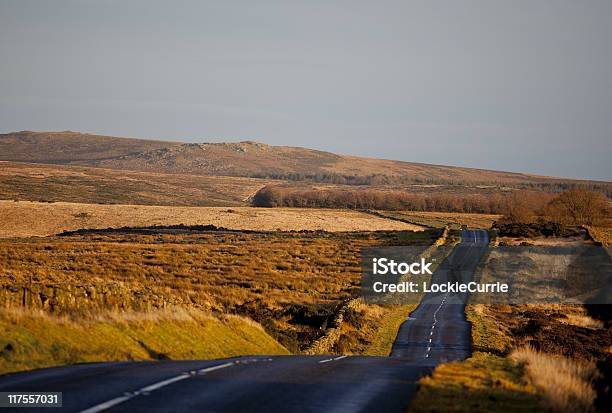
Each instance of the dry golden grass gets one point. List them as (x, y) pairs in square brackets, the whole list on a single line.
[(488, 333), (35, 339), (481, 384), (488, 380), (565, 383), (23, 219), (380, 341), (66, 146), (564, 329), (492, 380), (54, 183), (292, 283), (582, 321), (439, 219), (602, 234)]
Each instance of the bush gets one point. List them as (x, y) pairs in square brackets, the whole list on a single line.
[(566, 383), (531, 230), (578, 207)]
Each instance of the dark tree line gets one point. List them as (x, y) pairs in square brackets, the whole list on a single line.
[(382, 179), (573, 207), (392, 200)]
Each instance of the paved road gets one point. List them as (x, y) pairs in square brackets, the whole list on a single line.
[(436, 332)]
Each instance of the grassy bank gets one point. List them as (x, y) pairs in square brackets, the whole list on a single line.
[(506, 374), (33, 339), (487, 381), (482, 383), (387, 330)]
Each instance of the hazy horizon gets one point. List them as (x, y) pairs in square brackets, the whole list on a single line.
[(512, 86)]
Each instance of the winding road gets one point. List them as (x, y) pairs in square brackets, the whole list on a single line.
[(437, 331)]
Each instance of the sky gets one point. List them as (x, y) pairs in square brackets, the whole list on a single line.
[(515, 85)]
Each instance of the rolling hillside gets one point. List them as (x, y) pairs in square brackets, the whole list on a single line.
[(52, 183), (68, 147), (250, 159)]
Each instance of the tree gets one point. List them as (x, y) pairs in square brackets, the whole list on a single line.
[(517, 210), (577, 207), (265, 197)]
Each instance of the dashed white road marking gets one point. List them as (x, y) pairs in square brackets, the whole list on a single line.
[(333, 359), (435, 316), (213, 368), (152, 387), (433, 325)]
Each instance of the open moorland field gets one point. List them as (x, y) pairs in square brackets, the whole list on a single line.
[(128, 249), (84, 184), (52, 183), (187, 292), (454, 220), (26, 218), (132, 286)]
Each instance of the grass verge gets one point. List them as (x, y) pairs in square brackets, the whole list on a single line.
[(488, 381), (389, 325), (567, 384), (32, 339), (483, 383)]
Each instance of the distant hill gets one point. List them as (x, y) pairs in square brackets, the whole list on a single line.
[(69, 147), (249, 159), (69, 183)]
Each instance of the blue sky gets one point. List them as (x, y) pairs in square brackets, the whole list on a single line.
[(514, 85)]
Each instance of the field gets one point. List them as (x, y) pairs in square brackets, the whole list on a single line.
[(35, 339), (125, 249), (23, 218), (292, 284), (439, 219), (67, 146), (84, 184), (53, 183)]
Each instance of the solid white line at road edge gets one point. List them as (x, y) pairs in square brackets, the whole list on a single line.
[(151, 387)]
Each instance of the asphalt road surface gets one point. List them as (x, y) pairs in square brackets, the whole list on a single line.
[(437, 331)]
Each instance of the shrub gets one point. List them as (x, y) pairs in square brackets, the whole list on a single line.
[(578, 207), (566, 383)]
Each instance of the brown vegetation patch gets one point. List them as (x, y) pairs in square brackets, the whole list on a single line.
[(455, 220), (579, 334), (253, 159), (464, 200), (55, 183), (292, 283), (40, 219), (567, 384)]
